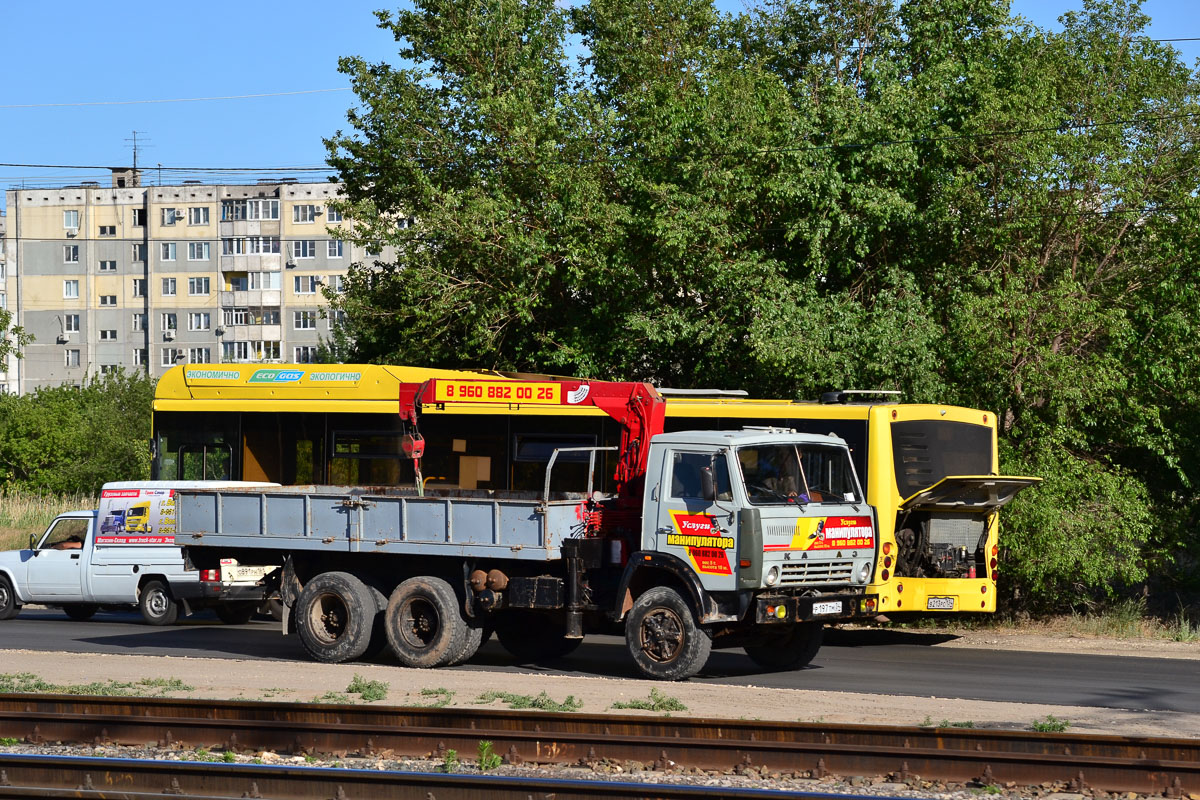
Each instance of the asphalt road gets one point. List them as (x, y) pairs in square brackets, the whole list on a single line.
[(881, 662)]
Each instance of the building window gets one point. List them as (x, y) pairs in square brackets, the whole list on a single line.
[(139, 321), (264, 244), (168, 287), (198, 215), (108, 299), (262, 209), (71, 358), (108, 335), (304, 248), (269, 350), (198, 321), (169, 216), (236, 316), (197, 286), (169, 354), (70, 290), (264, 280), (139, 357), (305, 355), (168, 251), (198, 251), (139, 217), (335, 248), (337, 283), (71, 220), (71, 254), (337, 317), (108, 369), (270, 316), (233, 210), (199, 355), (305, 284), (139, 252), (71, 323), (167, 322), (304, 320), (108, 230), (333, 215), (139, 287), (108, 266), (304, 214), (233, 247)]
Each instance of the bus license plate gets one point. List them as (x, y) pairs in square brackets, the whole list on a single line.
[(834, 607), (940, 604)]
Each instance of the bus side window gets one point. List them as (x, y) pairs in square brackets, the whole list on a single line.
[(202, 462)]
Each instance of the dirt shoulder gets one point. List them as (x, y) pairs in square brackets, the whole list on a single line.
[(306, 681)]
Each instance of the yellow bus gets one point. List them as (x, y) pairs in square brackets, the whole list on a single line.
[(931, 471)]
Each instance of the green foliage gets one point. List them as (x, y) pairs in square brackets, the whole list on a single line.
[(541, 702), (657, 702), (367, 690), (12, 337), (935, 197), (66, 440), (450, 762), (487, 759), (438, 698), (9, 741), (1051, 724), (229, 757), (27, 682)]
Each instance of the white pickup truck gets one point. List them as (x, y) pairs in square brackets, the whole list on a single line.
[(124, 554)]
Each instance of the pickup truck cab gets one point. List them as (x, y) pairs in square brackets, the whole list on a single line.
[(86, 560)]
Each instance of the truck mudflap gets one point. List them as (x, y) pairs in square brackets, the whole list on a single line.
[(820, 608)]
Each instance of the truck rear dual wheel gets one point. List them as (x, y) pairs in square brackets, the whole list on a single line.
[(335, 616), (663, 637), (157, 605), (9, 607), (790, 649), (425, 626)]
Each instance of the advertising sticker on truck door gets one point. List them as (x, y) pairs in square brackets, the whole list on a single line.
[(137, 516), (706, 544), (829, 533)]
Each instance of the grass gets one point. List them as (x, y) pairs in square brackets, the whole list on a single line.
[(28, 683), (488, 760), (333, 697), (440, 698), (657, 702), (8, 741), (367, 690), (1051, 724), (541, 702), (23, 513)]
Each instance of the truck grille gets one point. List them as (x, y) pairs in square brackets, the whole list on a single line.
[(808, 573)]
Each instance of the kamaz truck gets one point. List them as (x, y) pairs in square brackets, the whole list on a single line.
[(753, 538)]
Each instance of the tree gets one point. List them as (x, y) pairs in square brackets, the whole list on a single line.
[(12, 337)]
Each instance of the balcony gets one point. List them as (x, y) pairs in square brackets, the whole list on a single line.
[(250, 298)]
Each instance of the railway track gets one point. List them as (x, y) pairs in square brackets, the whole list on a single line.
[(1169, 767)]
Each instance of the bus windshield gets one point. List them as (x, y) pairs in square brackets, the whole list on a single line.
[(792, 473)]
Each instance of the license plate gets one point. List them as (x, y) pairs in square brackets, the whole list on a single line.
[(834, 607), (940, 604)]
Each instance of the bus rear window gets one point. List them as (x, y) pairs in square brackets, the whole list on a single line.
[(928, 450)]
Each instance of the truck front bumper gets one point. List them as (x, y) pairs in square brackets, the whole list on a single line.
[(814, 609)]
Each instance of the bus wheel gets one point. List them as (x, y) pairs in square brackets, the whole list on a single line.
[(157, 605), (9, 607), (424, 625), (533, 638), (791, 649), (663, 637), (335, 614), (80, 611), (236, 613)]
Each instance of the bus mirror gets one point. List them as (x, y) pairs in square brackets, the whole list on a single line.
[(32, 543), (707, 486)]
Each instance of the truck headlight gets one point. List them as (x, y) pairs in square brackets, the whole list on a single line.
[(772, 576), (864, 574)]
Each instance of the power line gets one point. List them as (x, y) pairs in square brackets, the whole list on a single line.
[(173, 100)]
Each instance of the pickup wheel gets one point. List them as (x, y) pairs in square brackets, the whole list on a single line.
[(663, 637), (791, 649), (157, 605), (236, 613), (424, 625), (9, 607), (533, 638), (334, 615), (80, 612)]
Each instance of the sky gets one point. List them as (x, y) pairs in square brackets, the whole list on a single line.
[(80, 73)]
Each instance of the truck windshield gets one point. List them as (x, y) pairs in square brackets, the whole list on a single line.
[(793, 473)]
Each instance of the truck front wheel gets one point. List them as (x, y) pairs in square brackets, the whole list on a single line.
[(663, 637), (335, 614), (8, 599), (792, 649), (157, 605), (424, 625)]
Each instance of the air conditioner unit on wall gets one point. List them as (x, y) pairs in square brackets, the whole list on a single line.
[(169, 336), (72, 233)]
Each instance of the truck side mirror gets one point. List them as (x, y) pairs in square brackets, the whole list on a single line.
[(707, 485)]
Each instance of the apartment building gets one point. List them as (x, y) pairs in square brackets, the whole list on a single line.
[(147, 277)]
